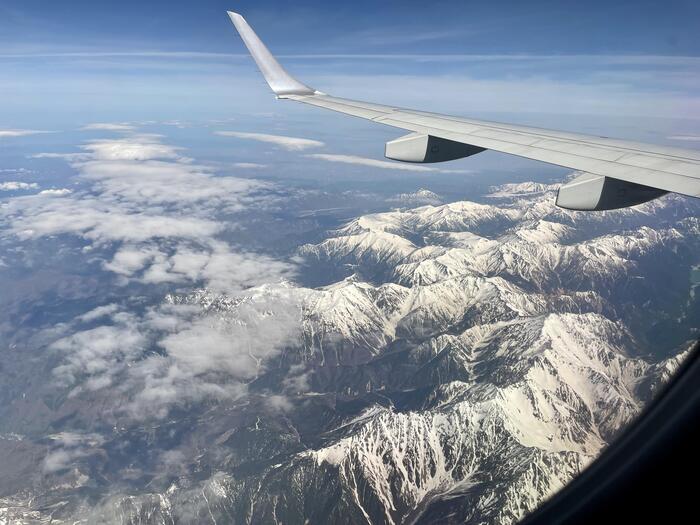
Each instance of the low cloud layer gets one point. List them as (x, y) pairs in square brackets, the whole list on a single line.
[(249, 165), (148, 214), (685, 138), (19, 132), (134, 147), (56, 191), (288, 143), (186, 262), (162, 213), (105, 126), (174, 355), (66, 448), (14, 185), (97, 221)]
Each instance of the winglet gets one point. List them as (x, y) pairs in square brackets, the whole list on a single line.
[(281, 82)]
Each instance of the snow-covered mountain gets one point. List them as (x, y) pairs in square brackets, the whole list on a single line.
[(525, 240), (503, 414), (473, 359), (417, 198), (532, 241)]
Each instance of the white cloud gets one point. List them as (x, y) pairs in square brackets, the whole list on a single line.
[(297, 380), (288, 143), (162, 212), (67, 447), (213, 264), (99, 221), (221, 269), (278, 403), (249, 165), (687, 138), (56, 192), (130, 259), (156, 182), (176, 123), (105, 126), (138, 147), (99, 312), (381, 164), (201, 355), (20, 132), (69, 157), (57, 460), (14, 185)]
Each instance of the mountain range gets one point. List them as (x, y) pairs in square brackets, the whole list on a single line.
[(462, 362)]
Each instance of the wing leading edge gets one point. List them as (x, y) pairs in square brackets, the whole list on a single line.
[(614, 173)]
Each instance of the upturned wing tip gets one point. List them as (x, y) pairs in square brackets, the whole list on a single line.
[(281, 82)]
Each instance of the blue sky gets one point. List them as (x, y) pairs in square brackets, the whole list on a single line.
[(637, 27), (82, 61)]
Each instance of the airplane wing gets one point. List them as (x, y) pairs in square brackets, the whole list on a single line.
[(612, 173)]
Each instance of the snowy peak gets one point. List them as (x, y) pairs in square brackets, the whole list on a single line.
[(417, 198)]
